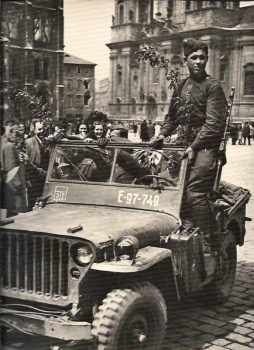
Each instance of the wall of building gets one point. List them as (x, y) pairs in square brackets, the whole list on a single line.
[(79, 91), (32, 44)]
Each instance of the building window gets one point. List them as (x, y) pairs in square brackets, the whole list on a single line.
[(37, 64), (69, 101), (42, 28), (78, 68), (69, 84), (45, 68), (249, 79), (188, 5), (87, 97), (156, 75), (199, 4), (143, 11), (86, 84), (141, 94), (131, 16), (212, 3), (119, 74), (79, 84), (79, 100), (121, 14), (223, 67)]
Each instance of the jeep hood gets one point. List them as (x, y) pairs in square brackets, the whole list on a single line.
[(98, 224)]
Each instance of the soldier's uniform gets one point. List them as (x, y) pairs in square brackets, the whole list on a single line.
[(203, 126)]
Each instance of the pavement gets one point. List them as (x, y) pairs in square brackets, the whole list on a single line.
[(195, 325)]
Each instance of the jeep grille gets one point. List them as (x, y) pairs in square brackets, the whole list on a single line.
[(34, 265)]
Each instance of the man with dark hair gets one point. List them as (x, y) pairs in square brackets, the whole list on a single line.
[(203, 123), (37, 164)]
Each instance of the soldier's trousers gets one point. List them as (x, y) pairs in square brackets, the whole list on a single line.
[(200, 181)]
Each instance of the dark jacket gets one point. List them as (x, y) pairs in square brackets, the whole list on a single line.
[(207, 116)]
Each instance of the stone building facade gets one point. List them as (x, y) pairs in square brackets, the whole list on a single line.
[(79, 87), (139, 91), (32, 52), (103, 96)]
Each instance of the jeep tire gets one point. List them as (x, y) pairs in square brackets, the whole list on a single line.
[(131, 319), (219, 290)]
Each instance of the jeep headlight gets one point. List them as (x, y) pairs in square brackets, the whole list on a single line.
[(127, 248), (82, 254)]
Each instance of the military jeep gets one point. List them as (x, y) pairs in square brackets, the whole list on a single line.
[(105, 249)]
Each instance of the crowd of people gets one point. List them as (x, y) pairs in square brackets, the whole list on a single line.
[(25, 151), (242, 134)]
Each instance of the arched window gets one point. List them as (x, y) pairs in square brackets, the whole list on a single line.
[(156, 75), (249, 79), (119, 74), (223, 67), (121, 14), (131, 16)]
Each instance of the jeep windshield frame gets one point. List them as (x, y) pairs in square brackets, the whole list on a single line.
[(126, 175)]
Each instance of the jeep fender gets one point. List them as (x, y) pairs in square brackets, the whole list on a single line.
[(146, 258)]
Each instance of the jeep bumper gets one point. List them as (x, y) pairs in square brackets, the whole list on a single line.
[(55, 327)]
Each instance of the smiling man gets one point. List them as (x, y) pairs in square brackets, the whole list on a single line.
[(203, 126)]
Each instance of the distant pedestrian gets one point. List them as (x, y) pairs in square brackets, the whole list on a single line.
[(144, 131), (251, 132), (38, 157), (240, 135), (246, 133), (150, 129), (157, 129), (13, 191), (134, 128)]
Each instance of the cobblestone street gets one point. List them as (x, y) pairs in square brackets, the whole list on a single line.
[(195, 325)]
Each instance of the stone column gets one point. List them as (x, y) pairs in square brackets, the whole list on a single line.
[(4, 91), (59, 93)]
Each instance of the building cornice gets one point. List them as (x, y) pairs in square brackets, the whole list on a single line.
[(182, 34)]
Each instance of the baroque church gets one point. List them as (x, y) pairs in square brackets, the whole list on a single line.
[(139, 91)]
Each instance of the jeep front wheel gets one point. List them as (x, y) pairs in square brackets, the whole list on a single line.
[(131, 319)]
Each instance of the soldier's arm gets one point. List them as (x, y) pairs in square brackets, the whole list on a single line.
[(212, 130), (169, 124)]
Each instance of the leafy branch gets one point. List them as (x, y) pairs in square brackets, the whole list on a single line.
[(183, 104)]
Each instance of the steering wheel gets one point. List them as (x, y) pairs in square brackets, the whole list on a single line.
[(153, 176)]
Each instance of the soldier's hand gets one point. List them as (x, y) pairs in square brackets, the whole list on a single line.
[(157, 142), (42, 172), (190, 154)]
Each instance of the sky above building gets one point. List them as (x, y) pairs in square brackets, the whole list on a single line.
[(87, 30)]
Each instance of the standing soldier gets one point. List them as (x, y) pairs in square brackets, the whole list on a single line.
[(204, 127)]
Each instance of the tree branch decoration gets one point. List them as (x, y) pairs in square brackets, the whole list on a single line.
[(183, 104)]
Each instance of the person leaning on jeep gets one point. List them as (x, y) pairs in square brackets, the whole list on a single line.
[(204, 128)]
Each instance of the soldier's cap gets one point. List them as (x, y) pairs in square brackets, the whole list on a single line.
[(192, 45)]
